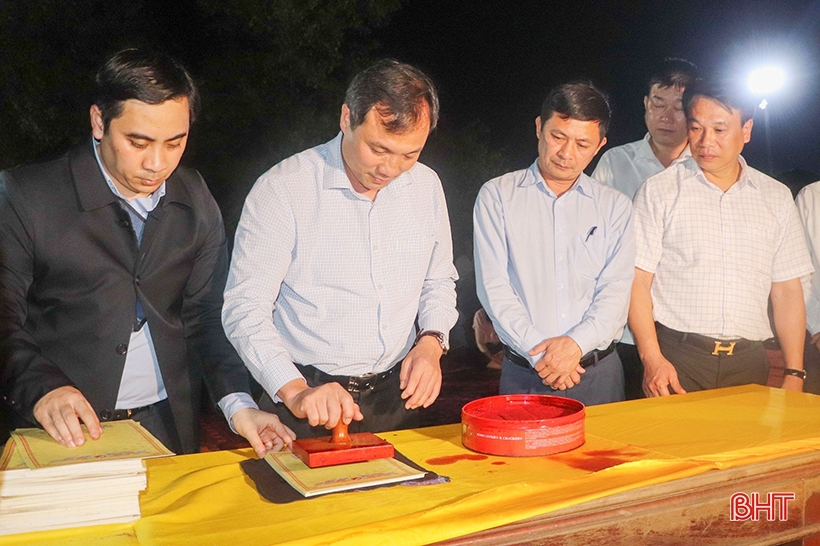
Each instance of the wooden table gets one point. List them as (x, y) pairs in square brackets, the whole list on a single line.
[(658, 471)]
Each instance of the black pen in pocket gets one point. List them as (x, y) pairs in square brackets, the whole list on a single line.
[(591, 233)]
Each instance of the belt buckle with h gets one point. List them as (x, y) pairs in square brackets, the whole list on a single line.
[(729, 349)]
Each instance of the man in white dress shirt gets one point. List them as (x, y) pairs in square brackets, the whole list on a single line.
[(554, 255), (341, 292), (715, 239), (626, 167)]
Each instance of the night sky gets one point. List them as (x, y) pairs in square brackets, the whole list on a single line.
[(495, 61)]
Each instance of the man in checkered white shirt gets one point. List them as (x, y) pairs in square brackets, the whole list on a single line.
[(715, 239), (341, 291)]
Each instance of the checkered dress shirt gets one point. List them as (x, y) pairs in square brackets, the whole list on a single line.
[(714, 254)]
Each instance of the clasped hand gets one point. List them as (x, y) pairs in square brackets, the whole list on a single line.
[(560, 367)]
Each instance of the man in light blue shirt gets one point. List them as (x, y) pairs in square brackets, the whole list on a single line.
[(341, 291), (555, 255)]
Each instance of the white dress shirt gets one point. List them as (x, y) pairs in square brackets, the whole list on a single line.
[(323, 276), (808, 206), (625, 168), (549, 266), (715, 254)]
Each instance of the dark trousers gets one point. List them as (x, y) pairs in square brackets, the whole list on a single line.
[(633, 370), (811, 363), (159, 421), (698, 369), (603, 382), (382, 407)]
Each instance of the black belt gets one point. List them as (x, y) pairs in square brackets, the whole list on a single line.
[(589, 359), (726, 347), (122, 414), (353, 383)]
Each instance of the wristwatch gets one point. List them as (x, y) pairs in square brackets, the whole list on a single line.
[(442, 340), (797, 373)]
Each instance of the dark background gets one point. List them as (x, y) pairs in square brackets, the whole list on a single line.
[(273, 75)]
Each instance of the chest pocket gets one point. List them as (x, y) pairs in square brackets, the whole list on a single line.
[(590, 254)]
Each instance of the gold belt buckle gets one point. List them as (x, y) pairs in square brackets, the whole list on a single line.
[(719, 348)]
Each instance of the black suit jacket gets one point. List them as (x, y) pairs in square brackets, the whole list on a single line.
[(70, 273)]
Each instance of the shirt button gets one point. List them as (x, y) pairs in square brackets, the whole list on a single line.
[(728, 253), (137, 280), (563, 315), (561, 286), (560, 230), (375, 247), (560, 258), (122, 348)]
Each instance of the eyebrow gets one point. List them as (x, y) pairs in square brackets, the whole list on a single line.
[(563, 134), (388, 149), (719, 122), (138, 136)]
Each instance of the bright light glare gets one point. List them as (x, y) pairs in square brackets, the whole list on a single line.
[(763, 104), (766, 80)]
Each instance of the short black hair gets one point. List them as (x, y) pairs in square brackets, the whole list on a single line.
[(143, 75), (730, 95), (579, 100), (672, 72), (398, 91)]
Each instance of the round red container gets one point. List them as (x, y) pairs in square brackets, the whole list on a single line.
[(522, 425)]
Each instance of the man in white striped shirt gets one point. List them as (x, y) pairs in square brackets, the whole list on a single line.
[(715, 239), (341, 292)]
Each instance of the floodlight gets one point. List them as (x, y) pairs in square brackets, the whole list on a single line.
[(766, 80)]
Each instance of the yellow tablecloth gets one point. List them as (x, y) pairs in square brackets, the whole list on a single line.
[(206, 499)]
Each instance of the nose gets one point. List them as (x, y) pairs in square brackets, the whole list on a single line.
[(564, 150), (155, 160), (707, 138), (391, 166)]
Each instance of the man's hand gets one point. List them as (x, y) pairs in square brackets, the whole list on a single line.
[(323, 405), (659, 374), (792, 383), (262, 430), (60, 412), (420, 379), (559, 368)]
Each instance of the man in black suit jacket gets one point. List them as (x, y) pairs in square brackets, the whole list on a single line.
[(112, 264)]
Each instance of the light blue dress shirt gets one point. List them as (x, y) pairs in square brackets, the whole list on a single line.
[(549, 266), (323, 276), (142, 383)]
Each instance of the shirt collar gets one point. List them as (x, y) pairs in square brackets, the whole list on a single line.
[(745, 178), (142, 205), (533, 176), (644, 152)]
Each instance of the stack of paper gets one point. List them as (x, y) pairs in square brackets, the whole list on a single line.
[(44, 485)]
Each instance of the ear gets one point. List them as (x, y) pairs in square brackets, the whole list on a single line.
[(538, 126), (601, 145), (747, 130), (97, 125), (646, 103), (344, 119)]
